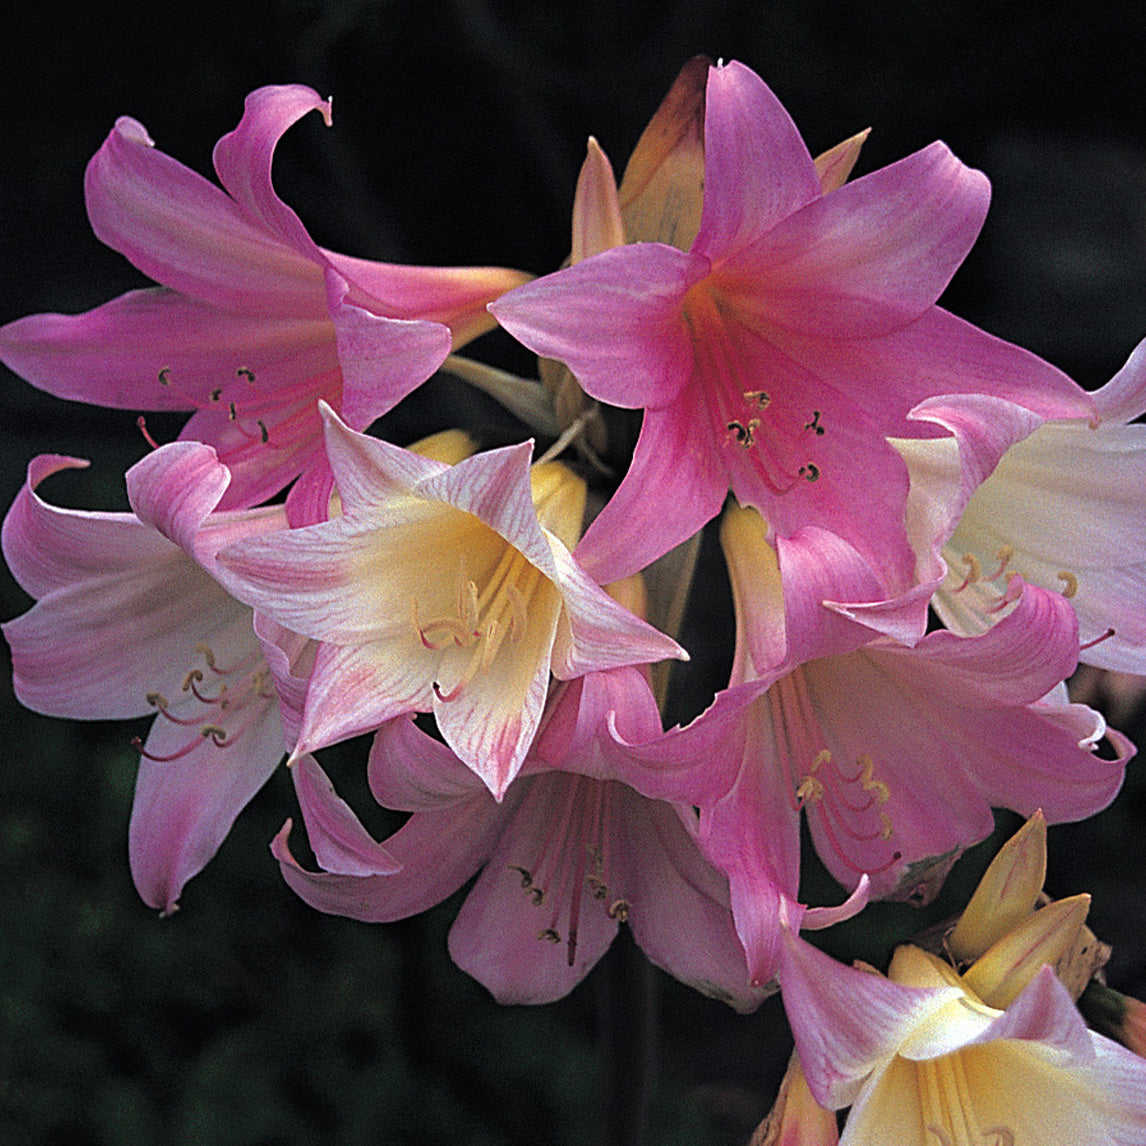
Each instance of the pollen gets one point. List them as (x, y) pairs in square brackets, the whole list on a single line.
[(1070, 583)]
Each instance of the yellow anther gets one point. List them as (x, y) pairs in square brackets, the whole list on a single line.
[(1003, 557), (822, 757), (1071, 583), (868, 782), (885, 831), (761, 398), (525, 873), (193, 676), (157, 700), (619, 910), (810, 789), (213, 732)]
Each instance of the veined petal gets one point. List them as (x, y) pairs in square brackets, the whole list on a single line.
[(184, 807), (382, 359), (846, 1022), (869, 258), (243, 160), (341, 844), (614, 319), (185, 233), (455, 296), (757, 169), (47, 548), (413, 772)]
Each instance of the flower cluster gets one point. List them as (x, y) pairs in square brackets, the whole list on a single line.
[(503, 626)]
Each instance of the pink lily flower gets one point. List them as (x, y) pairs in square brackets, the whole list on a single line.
[(440, 588), (130, 621), (923, 1060), (777, 354), (569, 854), (895, 754), (1063, 510), (253, 322)]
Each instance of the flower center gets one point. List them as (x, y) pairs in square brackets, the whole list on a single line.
[(220, 702), (574, 867), (848, 802), (481, 619)]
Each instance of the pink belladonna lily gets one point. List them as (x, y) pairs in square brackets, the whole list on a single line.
[(923, 1060), (779, 352), (253, 322), (896, 755), (441, 588), (569, 854), (1063, 509), (129, 621)]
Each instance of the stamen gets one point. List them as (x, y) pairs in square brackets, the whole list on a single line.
[(974, 571), (247, 373), (810, 471), (1004, 558), (1097, 640), (745, 435), (549, 935), (619, 910), (760, 398), (187, 748), (141, 422), (165, 376), (814, 424), (1071, 586)]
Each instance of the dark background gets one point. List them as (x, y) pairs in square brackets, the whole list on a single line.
[(460, 126)]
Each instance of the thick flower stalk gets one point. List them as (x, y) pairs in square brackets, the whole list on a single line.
[(567, 855), (129, 620), (441, 588), (777, 354), (253, 322)]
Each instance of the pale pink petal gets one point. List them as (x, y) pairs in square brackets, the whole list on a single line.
[(290, 659), (411, 771), (681, 915), (99, 646), (340, 843), (869, 258), (47, 548), (598, 633), (174, 488), (355, 689), (522, 950), (757, 169), (185, 233), (614, 319), (438, 852), (1123, 398), (243, 160), (1045, 1013), (846, 1022), (185, 807)]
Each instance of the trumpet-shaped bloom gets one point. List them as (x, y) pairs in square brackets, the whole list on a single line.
[(894, 754), (1064, 510), (924, 1061), (779, 352), (569, 854), (129, 621), (441, 589), (253, 322)]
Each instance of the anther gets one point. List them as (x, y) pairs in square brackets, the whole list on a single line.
[(549, 935), (1071, 583), (216, 394), (619, 910), (525, 873), (165, 376), (1004, 558), (247, 373), (814, 424), (761, 397), (810, 472), (885, 831), (141, 422), (974, 571), (810, 789), (745, 435), (213, 732), (157, 700)]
